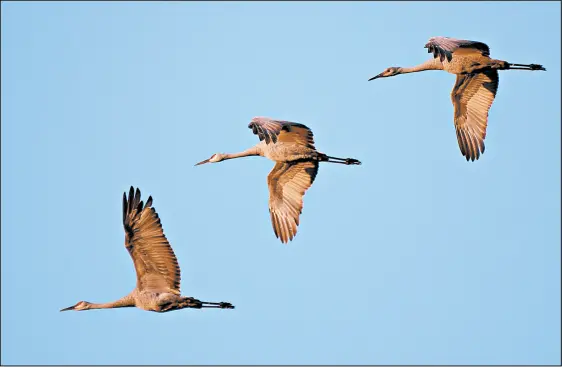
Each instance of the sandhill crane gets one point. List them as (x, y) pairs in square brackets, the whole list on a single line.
[(158, 272), (291, 146), (474, 90)]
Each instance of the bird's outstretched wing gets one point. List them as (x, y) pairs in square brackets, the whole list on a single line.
[(472, 97), (445, 46), (285, 131), (287, 183), (155, 262)]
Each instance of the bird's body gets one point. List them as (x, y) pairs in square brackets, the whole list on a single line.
[(291, 146), (164, 301), (475, 88), (466, 61), (158, 271), (284, 152)]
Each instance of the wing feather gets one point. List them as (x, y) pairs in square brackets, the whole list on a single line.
[(443, 47), (288, 182), (155, 262), (285, 131), (472, 98)]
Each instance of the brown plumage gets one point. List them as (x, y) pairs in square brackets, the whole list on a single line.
[(475, 88), (287, 184), (472, 97), (291, 146), (158, 272), (155, 262)]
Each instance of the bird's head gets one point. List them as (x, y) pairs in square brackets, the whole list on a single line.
[(217, 157), (80, 306), (391, 71)]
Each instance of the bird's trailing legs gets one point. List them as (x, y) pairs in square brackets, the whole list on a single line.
[(347, 161), (526, 66), (195, 303)]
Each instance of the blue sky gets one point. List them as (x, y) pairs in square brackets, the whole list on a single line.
[(415, 257)]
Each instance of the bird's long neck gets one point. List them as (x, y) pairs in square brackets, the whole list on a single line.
[(247, 153), (433, 64), (127, 301)]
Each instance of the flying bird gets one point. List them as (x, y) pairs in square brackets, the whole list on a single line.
[(291, 146), (158, 272), (474, 90)]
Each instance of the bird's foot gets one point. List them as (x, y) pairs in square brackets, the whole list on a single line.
[(537, 67), (349, 161), (225, 305)]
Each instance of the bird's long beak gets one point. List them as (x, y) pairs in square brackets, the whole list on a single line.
[(203, 162), (375, 77), (67, 309)]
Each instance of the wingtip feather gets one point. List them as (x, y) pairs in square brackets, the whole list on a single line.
[(124, 207)]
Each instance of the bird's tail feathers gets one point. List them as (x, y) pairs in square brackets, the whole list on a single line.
[(191, 303)]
